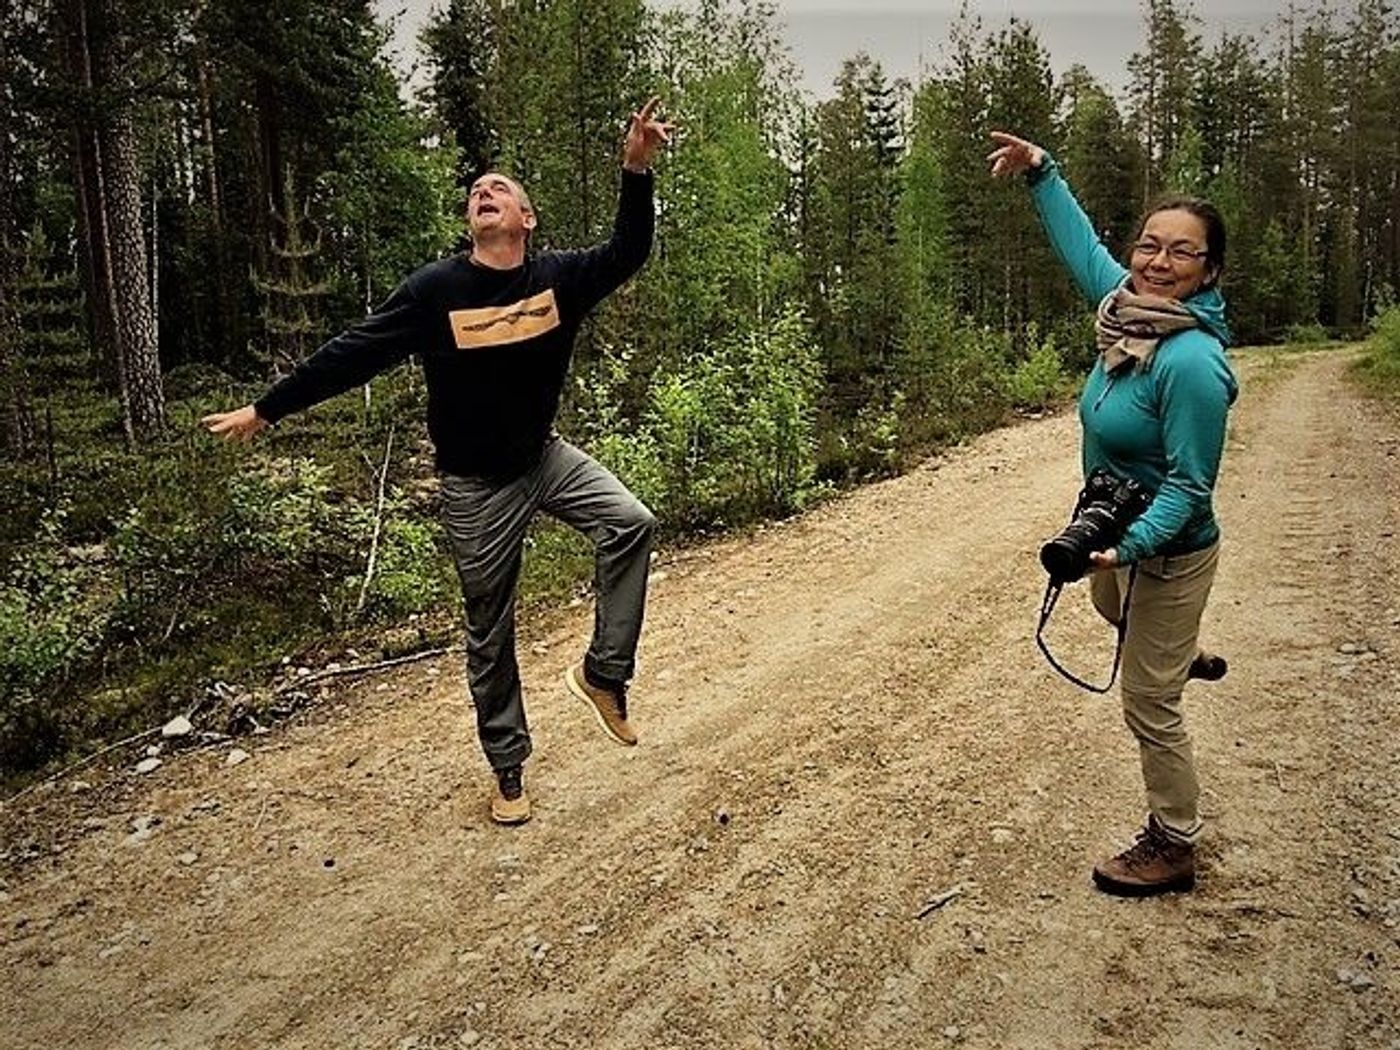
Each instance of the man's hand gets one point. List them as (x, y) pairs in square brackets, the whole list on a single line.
[(1100, 560), (1013, 155), (239, 425), (644, 137)]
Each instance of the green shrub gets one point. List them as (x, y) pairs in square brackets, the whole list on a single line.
[(1380, 368), (55, 605), (411, 574), (729, 437), (1310, 334), (1038, 381)]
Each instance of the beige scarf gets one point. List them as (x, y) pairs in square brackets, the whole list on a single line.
[(1130, 326)]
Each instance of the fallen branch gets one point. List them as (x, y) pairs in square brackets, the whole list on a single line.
[(937, 901), (379, 665), (136, 738)]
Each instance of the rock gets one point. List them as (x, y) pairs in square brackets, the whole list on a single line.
[(237, 757), (1357, 982), (79, 786), (468, 1037), (188, 857), (177, 727), (153, 751), (952, 1032), (148, 765), (588, 929), (1002, 835), (721, 816), (1350, 647)]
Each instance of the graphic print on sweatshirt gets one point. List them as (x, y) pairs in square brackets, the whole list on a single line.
[(513, 323)]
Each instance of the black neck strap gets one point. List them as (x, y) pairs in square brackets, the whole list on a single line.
[(1047, 606)]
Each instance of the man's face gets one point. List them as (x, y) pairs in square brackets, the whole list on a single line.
[(497, 208)]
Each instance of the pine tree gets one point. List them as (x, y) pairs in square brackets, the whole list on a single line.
[(293, 299), (1163, 78)]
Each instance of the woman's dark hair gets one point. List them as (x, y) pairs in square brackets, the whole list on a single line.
[(1204, 210)]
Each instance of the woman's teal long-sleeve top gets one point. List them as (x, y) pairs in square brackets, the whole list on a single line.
[(1162, 425)]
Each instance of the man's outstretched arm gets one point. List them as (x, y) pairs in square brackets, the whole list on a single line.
[(383, 339)]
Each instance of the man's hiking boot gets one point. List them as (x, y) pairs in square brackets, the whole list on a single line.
[(510, 804), (1153, 864), (1208, 667), (607, 701)]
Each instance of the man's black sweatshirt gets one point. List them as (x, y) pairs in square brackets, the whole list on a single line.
[(495, 344)]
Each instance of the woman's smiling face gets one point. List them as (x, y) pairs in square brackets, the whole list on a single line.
[(1169, 256)]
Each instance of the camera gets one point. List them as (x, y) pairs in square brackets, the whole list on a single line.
[(1106, 506)]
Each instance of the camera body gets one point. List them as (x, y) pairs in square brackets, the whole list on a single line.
[(1106, 507)]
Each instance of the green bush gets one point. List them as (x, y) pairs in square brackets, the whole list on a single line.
[(1310, 334), (411, 574), (729, 437), (1038, 381), (55, 605), (1380, 368)]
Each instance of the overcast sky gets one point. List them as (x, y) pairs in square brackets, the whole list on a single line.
[(907, 36)]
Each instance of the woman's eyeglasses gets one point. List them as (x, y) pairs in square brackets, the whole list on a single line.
[(1177, 253)]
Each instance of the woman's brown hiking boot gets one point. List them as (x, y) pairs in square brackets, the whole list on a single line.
[(1153, 864)]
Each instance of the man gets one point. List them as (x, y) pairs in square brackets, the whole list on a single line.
[(495, 330)]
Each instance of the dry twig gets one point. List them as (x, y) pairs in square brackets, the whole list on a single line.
[(938, 900)]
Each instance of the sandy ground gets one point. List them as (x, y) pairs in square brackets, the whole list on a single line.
[(842, 717)]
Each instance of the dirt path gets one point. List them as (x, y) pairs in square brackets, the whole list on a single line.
[(858, 694)]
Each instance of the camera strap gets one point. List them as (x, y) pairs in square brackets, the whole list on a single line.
[(1047, 606)]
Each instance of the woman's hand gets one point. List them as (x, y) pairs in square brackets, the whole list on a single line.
[(1100, 560), (1013, 155)]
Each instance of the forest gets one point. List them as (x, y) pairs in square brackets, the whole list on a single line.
[(195, 194)]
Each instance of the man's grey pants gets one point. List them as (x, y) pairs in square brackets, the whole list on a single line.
[(486, 525)]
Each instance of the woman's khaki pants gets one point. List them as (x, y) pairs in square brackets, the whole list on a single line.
[(1164, 619)]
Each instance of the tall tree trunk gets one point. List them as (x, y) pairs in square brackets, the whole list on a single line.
[(207, 152), (114, 259), (272, 199), (13, 388), (141, 379), (92, 247)]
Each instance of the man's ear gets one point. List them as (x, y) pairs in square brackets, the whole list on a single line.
[(527, 215)]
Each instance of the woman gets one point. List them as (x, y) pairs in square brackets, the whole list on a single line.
[(1153, 409)]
